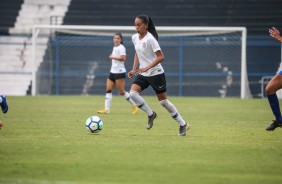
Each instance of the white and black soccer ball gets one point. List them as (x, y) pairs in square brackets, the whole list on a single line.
[(94, 124)]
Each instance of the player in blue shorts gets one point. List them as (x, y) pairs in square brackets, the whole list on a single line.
[(274, 85), (3, 103), (4, 106), (149, 56)]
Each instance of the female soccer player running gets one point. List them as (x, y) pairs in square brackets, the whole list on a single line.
[(117, 75), (274, 84), (148, 56)]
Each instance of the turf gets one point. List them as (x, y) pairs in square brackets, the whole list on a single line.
[(44, 140)]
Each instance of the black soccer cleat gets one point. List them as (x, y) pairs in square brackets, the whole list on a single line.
[(182, 129), (275, 124), (151, 120)]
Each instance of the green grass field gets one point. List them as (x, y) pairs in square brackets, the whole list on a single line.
[(44, 140)]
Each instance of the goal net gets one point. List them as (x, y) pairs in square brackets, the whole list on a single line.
[(199, 61)]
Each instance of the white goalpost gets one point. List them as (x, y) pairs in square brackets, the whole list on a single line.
[(200, 61)]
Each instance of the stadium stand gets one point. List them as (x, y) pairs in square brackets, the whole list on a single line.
[(8, 13), (256, 15), (15, 43), (18, 16)]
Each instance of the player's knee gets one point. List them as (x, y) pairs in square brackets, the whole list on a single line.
[(269, 90)]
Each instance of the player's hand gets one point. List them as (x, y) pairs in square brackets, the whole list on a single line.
[(275, 33), (141, 70), (131, 73)]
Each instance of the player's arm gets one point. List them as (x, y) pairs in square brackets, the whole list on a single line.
[(159, 59), (134, 67), (275, 34), (120, 58)]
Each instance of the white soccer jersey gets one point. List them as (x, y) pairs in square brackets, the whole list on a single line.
[(118, 66), (145, 50)]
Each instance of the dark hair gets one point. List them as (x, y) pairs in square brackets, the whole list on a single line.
[(151, 27), (120, 35)]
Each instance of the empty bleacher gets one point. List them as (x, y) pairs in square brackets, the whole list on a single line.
[(18, 17), (17, 20), (9, 11), (256, 15)]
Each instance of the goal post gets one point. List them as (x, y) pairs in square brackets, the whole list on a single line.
[(200, 61)]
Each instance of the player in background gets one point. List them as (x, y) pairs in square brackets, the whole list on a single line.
[(4, 106), (117, 75), (274, 84), (149, 56)]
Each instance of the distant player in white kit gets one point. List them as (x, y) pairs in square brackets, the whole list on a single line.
[(150, 72), (117, 75)]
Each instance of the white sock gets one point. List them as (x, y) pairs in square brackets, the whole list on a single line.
[(1, 99), (128, 98), (140, 102), (108, 100), (173, 111)]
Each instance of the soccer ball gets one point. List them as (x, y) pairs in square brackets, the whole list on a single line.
[(94, 124)]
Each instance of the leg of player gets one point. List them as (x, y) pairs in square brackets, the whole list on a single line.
[(183, 126), (141, 103), (274, 84), (108, 97), (120, 83), (3, 104), (134, 106)]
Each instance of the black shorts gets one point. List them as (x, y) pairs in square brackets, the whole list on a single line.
[(157, 82), (114, 76)]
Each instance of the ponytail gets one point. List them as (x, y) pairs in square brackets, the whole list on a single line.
[(152, 28)]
